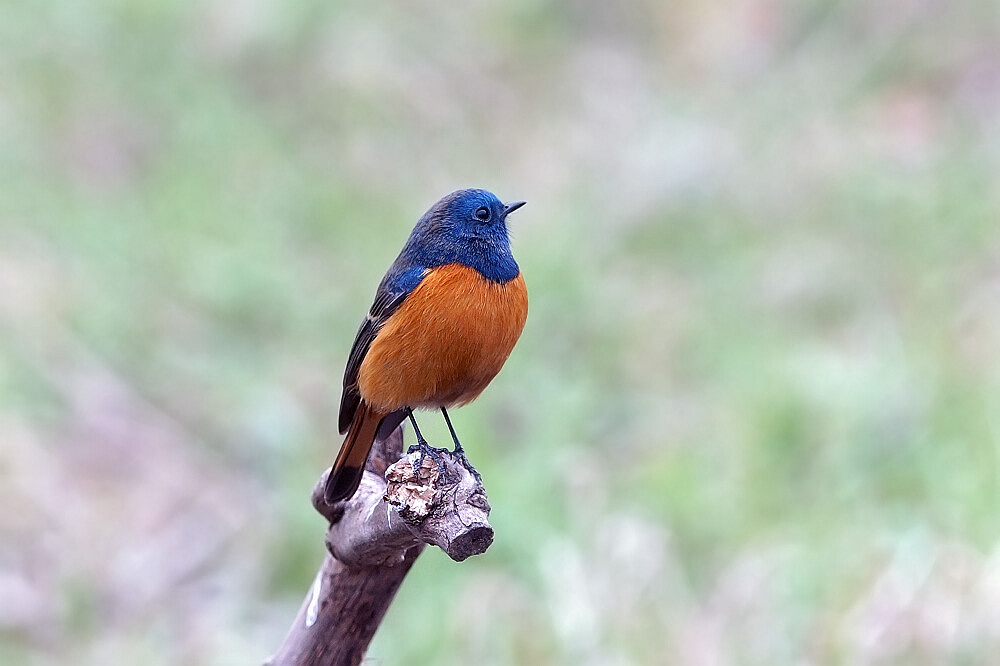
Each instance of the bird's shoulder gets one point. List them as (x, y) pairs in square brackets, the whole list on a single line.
[(399, 282)]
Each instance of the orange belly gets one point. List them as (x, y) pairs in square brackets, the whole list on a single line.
[(445, 343)]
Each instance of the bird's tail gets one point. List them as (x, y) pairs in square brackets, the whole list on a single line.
[(349, 467)]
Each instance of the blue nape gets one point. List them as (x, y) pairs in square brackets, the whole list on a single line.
[(467, 227)]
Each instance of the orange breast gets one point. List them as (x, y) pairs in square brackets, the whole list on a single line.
[(446, 342)]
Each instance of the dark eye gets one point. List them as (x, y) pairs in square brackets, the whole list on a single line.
[(482, 213)]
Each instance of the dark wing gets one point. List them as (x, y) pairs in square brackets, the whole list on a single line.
[(391, 294)]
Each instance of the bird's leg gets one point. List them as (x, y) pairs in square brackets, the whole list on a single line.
[(458, 445), (421, 442), (459, 451), (426, 451)]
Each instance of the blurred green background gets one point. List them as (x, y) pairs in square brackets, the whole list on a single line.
[(753, 418)]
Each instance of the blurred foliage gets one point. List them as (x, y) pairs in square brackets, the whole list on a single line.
[(753, 418)]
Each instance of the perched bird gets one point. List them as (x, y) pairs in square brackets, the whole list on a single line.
[(445, 318)]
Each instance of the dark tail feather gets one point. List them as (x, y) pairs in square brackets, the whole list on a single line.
[(349, 467)]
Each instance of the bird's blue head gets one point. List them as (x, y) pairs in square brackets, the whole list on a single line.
[(467, 227)]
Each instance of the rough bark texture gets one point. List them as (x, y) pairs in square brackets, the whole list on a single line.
[(341, 613), (373, 540)]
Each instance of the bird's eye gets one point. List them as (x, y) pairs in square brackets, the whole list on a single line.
[(482, 213)]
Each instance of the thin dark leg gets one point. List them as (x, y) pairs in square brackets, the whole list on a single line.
[(420, 438), (451, 429), (459, 451), (426, 451)]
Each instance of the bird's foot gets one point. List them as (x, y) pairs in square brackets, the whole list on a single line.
[(459, 453), (428, 451)]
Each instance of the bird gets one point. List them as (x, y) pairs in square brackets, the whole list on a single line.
[(444, 320)]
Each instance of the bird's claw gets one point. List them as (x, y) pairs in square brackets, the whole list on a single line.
[(460, 454), (434, 453), (428, 451)]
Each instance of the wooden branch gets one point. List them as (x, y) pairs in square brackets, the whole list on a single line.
[(373, 540)]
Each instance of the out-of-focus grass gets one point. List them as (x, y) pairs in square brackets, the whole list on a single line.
[(753, 417)]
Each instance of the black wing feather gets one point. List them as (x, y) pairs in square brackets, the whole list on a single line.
[(386, 303)]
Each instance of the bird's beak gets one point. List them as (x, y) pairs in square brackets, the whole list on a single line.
[(511, 207)]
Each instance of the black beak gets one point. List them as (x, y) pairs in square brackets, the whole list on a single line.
[(512, 206)]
